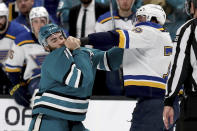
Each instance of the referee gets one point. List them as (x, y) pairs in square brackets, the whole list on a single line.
[(184, 73)]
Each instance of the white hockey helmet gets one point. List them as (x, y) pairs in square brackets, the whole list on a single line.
[(4, 12), (152, 10), (38, 12)]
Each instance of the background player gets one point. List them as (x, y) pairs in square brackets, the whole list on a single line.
[(24, 63), (9, 31)]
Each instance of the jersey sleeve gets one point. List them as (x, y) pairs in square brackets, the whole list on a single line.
[(15, 60), (137, 38), (14, 63), (127, 39), (108, 60), (103, 40)]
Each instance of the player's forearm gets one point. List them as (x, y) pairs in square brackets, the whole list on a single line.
[(101, 40)]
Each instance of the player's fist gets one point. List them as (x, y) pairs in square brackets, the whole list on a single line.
[(72, 43)]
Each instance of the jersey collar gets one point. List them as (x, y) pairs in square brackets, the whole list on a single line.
[(151, 24)]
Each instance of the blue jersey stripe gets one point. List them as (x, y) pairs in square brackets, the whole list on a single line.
[(144, 77), (127, 38)]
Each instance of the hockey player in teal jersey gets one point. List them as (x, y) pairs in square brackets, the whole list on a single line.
[(67, 78)]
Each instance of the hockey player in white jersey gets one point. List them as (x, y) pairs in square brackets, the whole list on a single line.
[(28, 55), (9, 31), (146, 68), (123, 18)]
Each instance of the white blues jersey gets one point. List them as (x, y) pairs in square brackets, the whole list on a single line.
[(146, 68), (7, 39), (26, 52), (105, 22)]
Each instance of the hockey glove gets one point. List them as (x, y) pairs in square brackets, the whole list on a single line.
[(21, 94)]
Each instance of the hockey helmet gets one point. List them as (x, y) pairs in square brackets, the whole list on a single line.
[(38, 12), (47, 31), (4, 12), (152, 10)]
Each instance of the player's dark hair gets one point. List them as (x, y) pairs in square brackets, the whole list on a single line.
[(154, 19)]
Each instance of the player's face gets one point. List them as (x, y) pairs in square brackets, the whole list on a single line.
[(2, 22), (24, 6), (141, 18), (37, 23), (56, 40), (125, 5)]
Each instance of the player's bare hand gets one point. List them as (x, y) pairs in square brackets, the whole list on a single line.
[(168, 116), (72, 43)]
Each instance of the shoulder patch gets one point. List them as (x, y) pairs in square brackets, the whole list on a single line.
[(137, 30)]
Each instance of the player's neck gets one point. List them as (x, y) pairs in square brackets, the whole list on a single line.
[(123, 13)]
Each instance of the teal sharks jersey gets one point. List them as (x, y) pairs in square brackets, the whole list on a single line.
[(67, 80)]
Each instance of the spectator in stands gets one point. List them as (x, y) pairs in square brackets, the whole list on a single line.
[(176, 15), (9, 31), (123, 18), (51, 6), (63, 9), (24, 7), (85, 14), (24, 63)]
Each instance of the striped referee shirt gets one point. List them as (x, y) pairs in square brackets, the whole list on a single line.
[(184, 62)]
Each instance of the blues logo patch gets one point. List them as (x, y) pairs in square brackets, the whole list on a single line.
[(137, 30)]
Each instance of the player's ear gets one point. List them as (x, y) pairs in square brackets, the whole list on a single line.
[(47, 48)]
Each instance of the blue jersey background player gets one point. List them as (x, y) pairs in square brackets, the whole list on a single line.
[(23, 65), (9, 31), (67, 78)]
